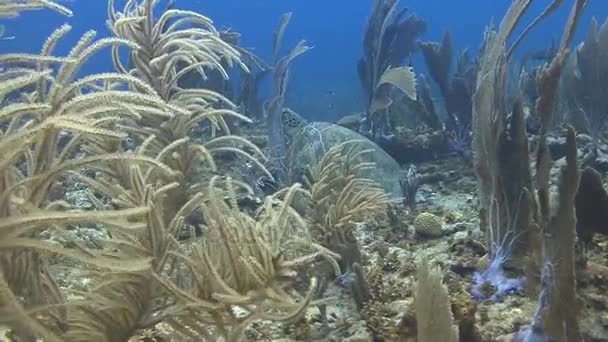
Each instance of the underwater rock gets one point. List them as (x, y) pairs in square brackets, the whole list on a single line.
[(352, 121), (408, 146), (311, 142)]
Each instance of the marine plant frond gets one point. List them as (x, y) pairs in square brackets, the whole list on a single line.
[(15, 315), (91, 81), (64, 106), (36, 186), (22, 225), (124, 98), (171, 45), (112, 310), (10, 84), (240, 146), (435, 321), (123, 302), (68, 71), (245, 262), (59, 90), (51, 42), (12, 8), (30, 59), (341, 197), (25, 272), (16, 109), (163, 45), (65, 115)]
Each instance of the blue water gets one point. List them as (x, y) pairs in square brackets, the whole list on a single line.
[(324, 83)]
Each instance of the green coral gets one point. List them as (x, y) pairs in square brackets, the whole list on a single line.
[(428, 225)]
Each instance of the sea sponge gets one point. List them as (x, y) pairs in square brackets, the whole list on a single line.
[(428, 225)]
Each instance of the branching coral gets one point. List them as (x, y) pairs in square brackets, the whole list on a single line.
[(409, 187), (148, 296), (167, 186), (503, 179), (11, 8), (583, 82), (561, 321), (243, 269), (456, 86), (44, 131), (591, 202), (390, 37), (340, 199), (164, 46), (124, 301), (245, 266), (534, 331), (274, 108), (62, 117), (509, 189)]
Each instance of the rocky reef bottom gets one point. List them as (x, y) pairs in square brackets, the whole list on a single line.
[(390, 251)]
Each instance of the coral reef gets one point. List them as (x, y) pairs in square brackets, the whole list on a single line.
[(135, 206)]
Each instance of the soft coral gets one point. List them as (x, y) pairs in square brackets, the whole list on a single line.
[(494, 276)]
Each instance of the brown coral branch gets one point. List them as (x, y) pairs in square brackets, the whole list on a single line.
[(548, 78)]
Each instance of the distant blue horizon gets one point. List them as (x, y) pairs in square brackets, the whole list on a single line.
[(324, 83)]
